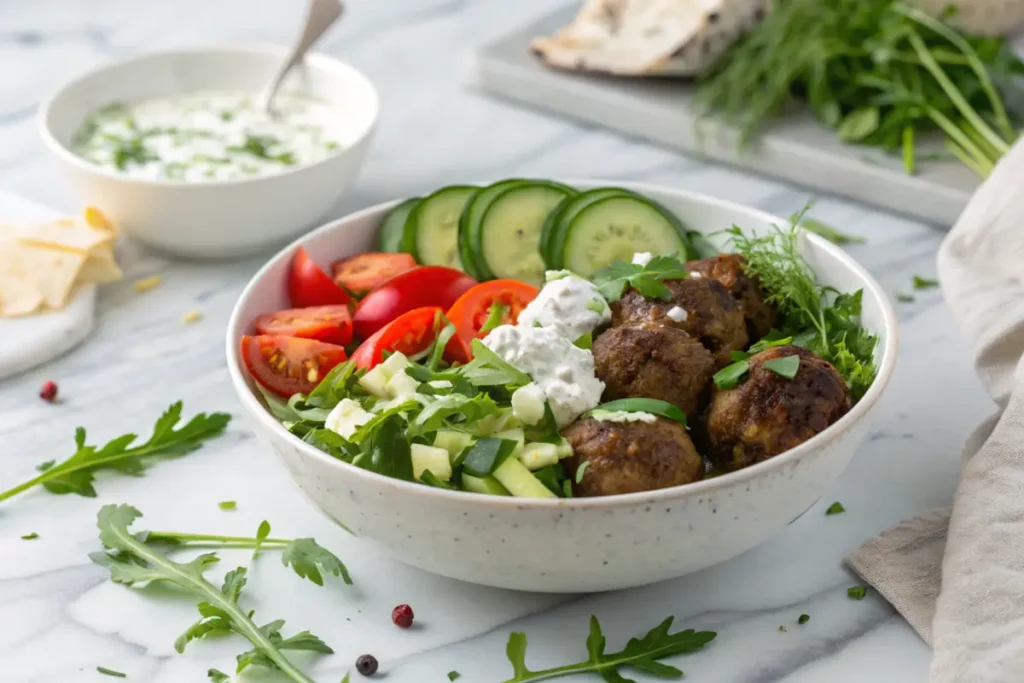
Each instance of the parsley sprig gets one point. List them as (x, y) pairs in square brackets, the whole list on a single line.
[(133, 562), (76, 474), (640, 653), (613, 279)]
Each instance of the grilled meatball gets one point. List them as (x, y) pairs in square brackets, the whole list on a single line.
[(626, 457), (712, 316), (728, 269), (767, 414), (653, 361)]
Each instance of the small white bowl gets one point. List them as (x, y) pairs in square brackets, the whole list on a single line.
[(220, 218), (578, 544)]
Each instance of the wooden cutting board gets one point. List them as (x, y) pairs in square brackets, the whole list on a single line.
[(34, 340), (797, 150)]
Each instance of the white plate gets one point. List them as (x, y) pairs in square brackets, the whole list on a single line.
[(33, 340)]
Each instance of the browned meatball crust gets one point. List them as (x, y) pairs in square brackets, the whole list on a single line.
[(712, 316), (728, 269), (767, 414), (627, 457), (654, 361)]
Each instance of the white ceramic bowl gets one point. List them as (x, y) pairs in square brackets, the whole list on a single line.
[(212, 219), (581, 544)]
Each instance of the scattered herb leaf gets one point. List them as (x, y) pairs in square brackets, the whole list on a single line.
[(828, 232), (732, 374), (227, 505), (581, 470), (110, 672), (640, 653), (486, 454), (784, 367), (495, 315), (905, 298), (648, 280), (924, 283), (30, 536), (75, 475), (653, 406), (856, 592), (782, 628), (454, 675), (804, 618), (835, 508)]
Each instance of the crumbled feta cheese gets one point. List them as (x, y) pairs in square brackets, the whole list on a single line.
[(571, 305), (528, 404), (678, 314), (642, 258), (346, 418), (622, 416), (696, 274)]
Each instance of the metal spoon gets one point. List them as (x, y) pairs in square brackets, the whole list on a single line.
[(321, 16)]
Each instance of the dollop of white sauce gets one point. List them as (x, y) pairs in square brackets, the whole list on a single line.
[(211, 135), (569, 304), (642, 258), (678, 314), (622, 416), (563, 371)]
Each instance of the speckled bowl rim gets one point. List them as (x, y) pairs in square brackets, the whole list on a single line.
[(317, 60), (247, 395)]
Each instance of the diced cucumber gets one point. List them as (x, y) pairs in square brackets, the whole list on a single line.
[(487, 485), (431, 232), (614, 228), (401, 385), (564, 449), (452, 441), (517, 435), (389, 237), (510, 230), (557, 222), (395, 363), (469, 224), (520, 482), (491, 424), (376, 381), (538, 455), (430, 458)]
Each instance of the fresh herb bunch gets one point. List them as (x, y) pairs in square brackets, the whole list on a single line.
[(134, 562), (877, 72), (815, 317), (75, 475), (641, 654)]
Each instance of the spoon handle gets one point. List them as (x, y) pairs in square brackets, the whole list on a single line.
[(321, 16)]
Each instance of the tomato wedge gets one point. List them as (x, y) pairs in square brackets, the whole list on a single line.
[(331, 324), (309, 285), (473, 309), (363, 272), (416, 288), (410, 333), (289, 365)]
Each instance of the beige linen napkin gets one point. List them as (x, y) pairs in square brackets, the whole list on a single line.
[(975, 551)]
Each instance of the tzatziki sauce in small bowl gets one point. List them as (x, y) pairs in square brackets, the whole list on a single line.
[(211, 135), (173, 147)]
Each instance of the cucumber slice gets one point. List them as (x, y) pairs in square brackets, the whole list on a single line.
[(469, 224), (488, 485), (614, 228), (432, 230), (520, 481), (510, 230), (557, 225), (389, 237)]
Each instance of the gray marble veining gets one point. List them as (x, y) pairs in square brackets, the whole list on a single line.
[(60, 617)]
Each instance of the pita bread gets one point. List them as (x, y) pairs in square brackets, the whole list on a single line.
[(650, 37)]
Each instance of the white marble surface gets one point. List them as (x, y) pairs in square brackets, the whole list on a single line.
[(60, 616)]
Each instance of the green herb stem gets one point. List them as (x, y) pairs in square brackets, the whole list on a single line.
[(212, 540)]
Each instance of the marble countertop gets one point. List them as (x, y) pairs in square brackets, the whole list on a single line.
[(61, 617)]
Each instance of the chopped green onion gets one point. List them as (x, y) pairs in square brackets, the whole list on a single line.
[(731, 375)]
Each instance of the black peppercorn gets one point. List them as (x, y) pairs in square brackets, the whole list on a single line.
[(366, 665)]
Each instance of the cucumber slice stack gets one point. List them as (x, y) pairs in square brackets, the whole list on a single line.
[(518, 228)]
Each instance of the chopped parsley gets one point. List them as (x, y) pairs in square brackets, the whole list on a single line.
[(613, 279), (804, 618), (905, 298), (782, 628), (924, 283), (227, 505), (30, 537), (835, 508), (856, 592), (453, 675)]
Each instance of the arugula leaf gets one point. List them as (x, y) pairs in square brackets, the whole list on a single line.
[(261, 535), (486, 455), (784, 367), (924, 283), (75, 475), (640, 653), (441, 340), (390, 451), (135, 563), (732, 374), (829, 233), (310, 560), (489, 369), (648, 280), (337, 384)]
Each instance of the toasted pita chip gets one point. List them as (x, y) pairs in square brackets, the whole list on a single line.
[(32, 277)]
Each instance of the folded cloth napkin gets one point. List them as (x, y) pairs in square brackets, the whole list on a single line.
[(975, 550)]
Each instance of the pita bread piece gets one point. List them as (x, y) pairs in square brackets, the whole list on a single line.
[(34, 277), (650, 37)]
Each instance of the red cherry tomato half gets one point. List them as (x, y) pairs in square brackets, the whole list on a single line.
[(473, 309), (416, 288), (410, 333), (331, 324), (309, 285), (363, 272), (289, 365)]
